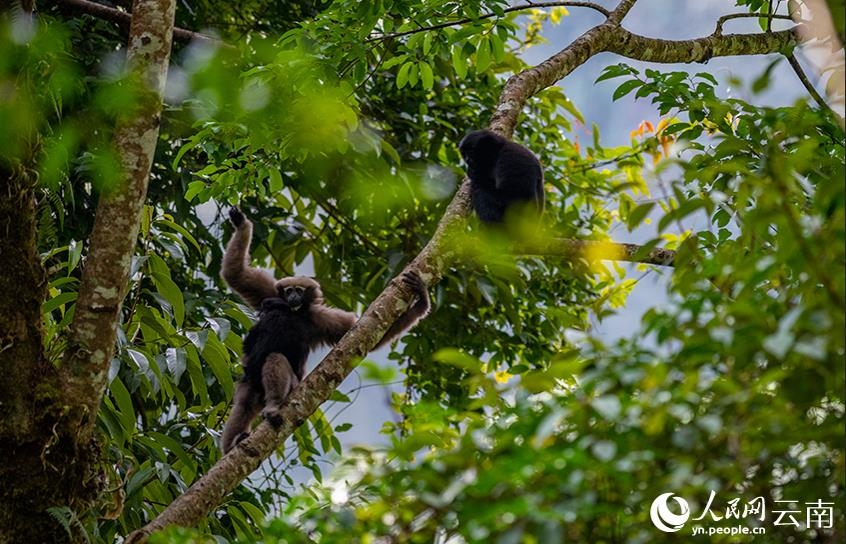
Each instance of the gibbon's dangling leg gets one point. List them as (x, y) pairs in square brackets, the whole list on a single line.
[(279, 380), (246, 404), (252, 284)]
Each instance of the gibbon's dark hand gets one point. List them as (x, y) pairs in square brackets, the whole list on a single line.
[(415, 283), (236, 216)]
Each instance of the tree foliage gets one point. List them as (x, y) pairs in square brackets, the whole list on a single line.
[(334, 126)]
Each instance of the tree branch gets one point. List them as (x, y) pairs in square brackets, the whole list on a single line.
[(608, 37), (800, 73), (646, 49), (597, 251), (122, 19), (105, 276)]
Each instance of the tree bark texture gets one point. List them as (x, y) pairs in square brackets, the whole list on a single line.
[(106, 273), (431, 263), (43, 464)]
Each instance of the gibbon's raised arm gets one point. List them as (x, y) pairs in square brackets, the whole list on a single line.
[(333, 323), (252, 284)]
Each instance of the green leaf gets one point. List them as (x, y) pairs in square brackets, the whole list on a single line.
[(166, 222), (198, 378), (394, 61), (626, 88), (176, 362), (617, 70), (275, 178), (427, 42), (459, 61), (123, 401), (427, 78), (483, 55), (337, 396), (217, 357), (194, 188), (59, 300), (456, 358), (402, 75), (188, 465), (160, 274), (637, 215)]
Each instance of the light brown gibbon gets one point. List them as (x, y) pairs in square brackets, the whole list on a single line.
[(293, 320)]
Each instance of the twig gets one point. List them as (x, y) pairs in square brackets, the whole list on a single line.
[(800, 73), (719, 30), (530, 5)]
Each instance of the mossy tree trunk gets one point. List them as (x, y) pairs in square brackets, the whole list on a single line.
[(47, 439)]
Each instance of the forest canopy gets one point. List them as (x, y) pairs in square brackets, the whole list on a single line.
[(662, 354)]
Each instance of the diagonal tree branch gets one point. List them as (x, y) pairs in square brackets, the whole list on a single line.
[(800, 73), (434, 259)]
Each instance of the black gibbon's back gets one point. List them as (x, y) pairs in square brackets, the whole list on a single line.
[(278, 330), (503, 175)]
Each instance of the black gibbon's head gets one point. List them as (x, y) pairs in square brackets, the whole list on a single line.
[(298, 292), (480, 148)]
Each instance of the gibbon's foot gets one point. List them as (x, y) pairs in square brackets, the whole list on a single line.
[(240, 438), (271, 415), (236, 216)]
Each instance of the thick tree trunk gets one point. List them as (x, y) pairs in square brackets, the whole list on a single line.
[(49, 455), (44, 462), (105, 277)]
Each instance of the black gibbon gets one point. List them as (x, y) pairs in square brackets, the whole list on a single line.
[(502, 174), (293, 320)]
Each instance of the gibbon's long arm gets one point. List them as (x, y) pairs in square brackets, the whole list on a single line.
[(333, 323), (252, 284)]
